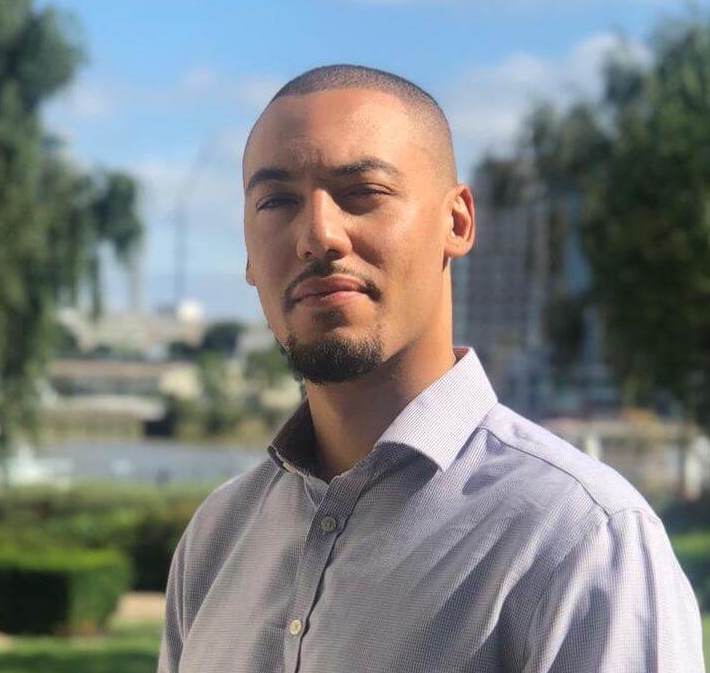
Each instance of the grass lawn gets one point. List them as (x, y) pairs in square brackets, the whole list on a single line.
[(706, 639), (126, 648)]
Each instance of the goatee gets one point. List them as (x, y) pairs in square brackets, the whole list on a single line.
[(333, 359)]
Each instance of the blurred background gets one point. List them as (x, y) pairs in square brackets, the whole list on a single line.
[(136, 370)]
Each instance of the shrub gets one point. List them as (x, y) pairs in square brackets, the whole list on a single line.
[(686, 516), (60, 591), (152, 550), (143, 523), (693, 552)]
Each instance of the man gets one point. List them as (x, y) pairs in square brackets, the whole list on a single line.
[(404, 520)]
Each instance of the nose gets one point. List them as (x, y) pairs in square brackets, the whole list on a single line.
[(323, 233)]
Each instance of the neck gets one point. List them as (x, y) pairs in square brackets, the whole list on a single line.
[(349, 417)]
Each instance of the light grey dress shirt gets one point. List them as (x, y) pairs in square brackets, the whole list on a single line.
[(468, 540)]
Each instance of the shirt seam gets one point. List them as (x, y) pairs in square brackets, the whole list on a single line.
[(543, 587), (607, 510), (587, 534)]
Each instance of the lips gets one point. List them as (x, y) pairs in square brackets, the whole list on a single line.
[(324, 286)]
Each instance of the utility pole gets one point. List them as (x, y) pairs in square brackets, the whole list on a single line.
[(181, 217), (180, 253)]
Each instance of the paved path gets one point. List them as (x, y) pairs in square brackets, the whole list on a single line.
[(136, 606), (141, 606)]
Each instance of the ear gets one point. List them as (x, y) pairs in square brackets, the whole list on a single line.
[(249, 275), (461, 222)]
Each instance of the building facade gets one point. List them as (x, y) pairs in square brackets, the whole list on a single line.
[(528, 260)]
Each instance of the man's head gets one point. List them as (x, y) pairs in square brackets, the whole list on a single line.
[(352, 213)]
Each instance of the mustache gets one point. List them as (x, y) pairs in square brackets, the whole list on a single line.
[(322, 269)]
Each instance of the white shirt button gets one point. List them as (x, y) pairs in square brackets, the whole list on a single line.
[(294, 628), (328, 524)]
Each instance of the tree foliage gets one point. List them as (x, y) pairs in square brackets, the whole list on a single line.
[(53, 217), (221, 411), (222, 337), (640, 159), (267, 366)]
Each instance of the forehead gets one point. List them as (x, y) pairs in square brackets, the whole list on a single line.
[(331, 128)]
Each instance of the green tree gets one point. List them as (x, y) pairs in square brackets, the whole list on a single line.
[(266, 366), (64, 343), (181, 350), (222, 337), (53, 218), (221, 411), (640, 159)]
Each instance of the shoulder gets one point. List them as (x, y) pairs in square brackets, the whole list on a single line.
[(571, 519), (551, 471)]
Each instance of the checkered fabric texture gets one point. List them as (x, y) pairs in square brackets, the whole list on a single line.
[(468, 540)]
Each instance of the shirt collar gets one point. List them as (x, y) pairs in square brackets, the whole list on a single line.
[(292, 448), (436, 423)]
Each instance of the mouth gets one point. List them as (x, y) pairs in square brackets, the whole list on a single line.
[(329, 299), (333, 290)]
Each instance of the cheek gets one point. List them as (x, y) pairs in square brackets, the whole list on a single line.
[(267, 262), (422, 276), (420, 255), (413, 283), (269, 281), (274, 315)]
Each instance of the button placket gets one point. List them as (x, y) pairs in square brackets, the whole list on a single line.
[(340, 498)]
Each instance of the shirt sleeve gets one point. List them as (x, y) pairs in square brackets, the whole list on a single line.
[(618, 601), (171, 643)]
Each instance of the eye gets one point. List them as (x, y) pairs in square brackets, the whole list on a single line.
[(364, 198), (365, 190), (276, 201)]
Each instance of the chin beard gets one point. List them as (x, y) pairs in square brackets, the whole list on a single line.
[(333, 360)]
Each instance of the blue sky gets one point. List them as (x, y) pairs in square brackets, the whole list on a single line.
[(170, 90)]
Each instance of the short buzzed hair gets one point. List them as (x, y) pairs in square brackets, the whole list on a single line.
[(346, 76)]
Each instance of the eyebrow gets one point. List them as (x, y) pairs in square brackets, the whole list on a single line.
[(268, 175), (364, 165)]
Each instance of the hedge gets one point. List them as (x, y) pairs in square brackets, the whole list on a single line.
[(142, 523), (47, 502), (152, 549), (687, 516), (60, 591), (693, 552)]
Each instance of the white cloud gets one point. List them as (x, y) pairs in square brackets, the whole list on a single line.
[(200, 85), (86, 100), (210, 85), (487, 104), (198, 80), (258, 91), (204, 188), (200, 179), (206, 184)]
